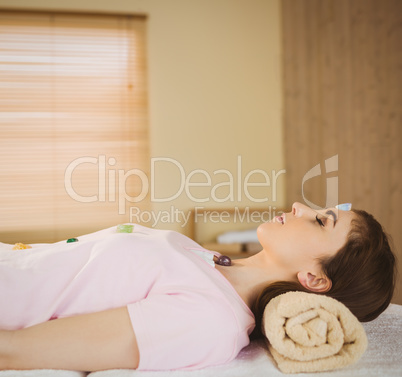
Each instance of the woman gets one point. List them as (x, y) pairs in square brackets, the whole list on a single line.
[(190, 315)]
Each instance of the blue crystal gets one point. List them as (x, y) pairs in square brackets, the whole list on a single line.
[(344, 206)]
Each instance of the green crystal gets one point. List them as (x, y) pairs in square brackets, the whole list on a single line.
[(122, 228), (72, 240)]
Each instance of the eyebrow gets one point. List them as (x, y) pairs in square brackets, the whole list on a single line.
[(332, 213)]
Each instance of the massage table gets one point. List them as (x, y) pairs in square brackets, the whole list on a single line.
[(382, 358)]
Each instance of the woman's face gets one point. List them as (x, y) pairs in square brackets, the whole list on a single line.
[(297, 239)]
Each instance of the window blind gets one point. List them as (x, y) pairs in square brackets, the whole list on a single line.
[(73, 123)]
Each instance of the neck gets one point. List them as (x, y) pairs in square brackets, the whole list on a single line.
[(249, 276)]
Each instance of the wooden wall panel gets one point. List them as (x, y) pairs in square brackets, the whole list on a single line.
[(342, 76)]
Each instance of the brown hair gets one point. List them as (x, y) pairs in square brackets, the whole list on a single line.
[(362, 272)]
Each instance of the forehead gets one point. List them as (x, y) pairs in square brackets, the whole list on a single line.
[(338, 233)]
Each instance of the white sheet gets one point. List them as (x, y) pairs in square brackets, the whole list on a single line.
[(382, 358)]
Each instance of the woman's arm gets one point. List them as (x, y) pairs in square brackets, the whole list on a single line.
[(88, 342)]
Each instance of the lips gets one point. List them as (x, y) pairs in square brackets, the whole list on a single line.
[(280, 219)]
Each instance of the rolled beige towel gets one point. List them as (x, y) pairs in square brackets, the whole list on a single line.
[(307, 332)]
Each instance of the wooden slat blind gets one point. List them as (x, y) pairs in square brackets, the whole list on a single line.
[(72, 86)]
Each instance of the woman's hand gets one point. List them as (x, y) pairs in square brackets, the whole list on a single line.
[(88, 342)]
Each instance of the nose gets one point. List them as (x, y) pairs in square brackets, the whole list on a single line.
[(299, 209), (296, 208)]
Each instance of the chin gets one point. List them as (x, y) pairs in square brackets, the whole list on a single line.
[(261, 228), (264, 231)]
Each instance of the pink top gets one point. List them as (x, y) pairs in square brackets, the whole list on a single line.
[(184, 312)]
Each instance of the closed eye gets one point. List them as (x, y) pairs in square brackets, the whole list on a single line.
[(319, 221)]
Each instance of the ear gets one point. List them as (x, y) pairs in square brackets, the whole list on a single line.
[(314, 283)]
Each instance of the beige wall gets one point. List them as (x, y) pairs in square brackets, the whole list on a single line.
[(214, 90), (344, 58)]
